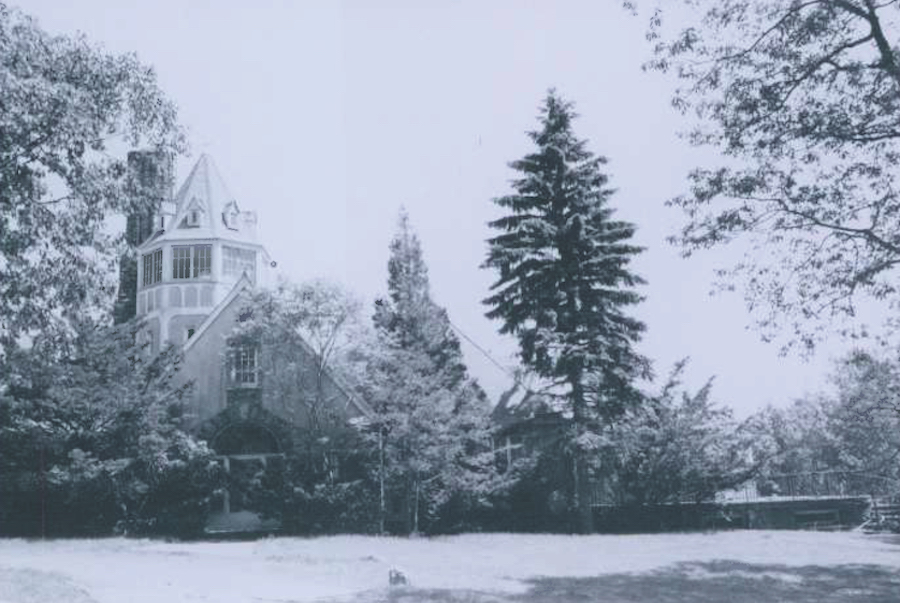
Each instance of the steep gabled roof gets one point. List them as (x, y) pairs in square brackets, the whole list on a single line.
[(205, 190), (244, 286)]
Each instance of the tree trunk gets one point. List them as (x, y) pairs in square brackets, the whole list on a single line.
[(415, 530), (583, 494), (382, 510), (582, 474)]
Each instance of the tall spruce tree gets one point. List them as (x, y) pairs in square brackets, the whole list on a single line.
[(565, 283), (432, 417)]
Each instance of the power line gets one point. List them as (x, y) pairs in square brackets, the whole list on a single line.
[(511, 374)]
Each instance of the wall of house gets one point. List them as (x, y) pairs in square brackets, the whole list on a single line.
[(178, 326), (204, 362), (284, 391), (293, 390)]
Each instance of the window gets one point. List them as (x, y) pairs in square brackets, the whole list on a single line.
[(181, 262), (508, 450), (243, 366), (191, 261), (157, 266), (148, 269), (152, 267), (236, 261)]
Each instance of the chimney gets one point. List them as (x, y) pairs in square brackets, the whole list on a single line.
[(149, 187)]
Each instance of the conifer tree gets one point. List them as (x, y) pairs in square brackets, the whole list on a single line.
[(565, 283), (432, 419)]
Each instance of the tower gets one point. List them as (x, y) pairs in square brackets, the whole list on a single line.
[(201, 246)]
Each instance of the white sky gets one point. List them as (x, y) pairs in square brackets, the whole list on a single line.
[(325, 118)]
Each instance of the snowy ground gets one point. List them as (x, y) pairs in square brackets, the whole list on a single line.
[(736, 567)]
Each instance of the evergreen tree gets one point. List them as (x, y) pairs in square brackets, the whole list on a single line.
[(565, 282), (431, 418)]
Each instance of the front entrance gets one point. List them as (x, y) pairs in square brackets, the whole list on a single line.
[(253, 460)]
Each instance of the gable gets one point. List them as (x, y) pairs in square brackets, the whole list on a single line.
[(194, 215), (218, 380)]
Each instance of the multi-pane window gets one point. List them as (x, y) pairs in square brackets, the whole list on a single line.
[(148, 269), (181, 262), (157, 266), (152, 267), (243, 367), (508, 450), (202, 260), (236, 261), (191, 261)]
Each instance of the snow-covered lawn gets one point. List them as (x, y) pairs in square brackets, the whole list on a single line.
[(735, 567)]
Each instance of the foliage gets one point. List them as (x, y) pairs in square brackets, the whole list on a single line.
[(311, 338), (677, 447), (564, 280), (801, 100), (311, 334), (852, 433), (864, 417), (93, 433), (336, 508), (67, 104), (430, 423)]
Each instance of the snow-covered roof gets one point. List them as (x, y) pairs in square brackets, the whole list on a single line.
[(526, 401)]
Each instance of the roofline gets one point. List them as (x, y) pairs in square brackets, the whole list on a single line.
[(240, 286), (244, 284), (160, 239)]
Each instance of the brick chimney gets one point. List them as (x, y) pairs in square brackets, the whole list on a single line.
[(149, 185)]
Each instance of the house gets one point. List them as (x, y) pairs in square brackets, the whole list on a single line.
[(199, 262)]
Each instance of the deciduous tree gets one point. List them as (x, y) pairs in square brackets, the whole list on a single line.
[(800, 100), (67, 109), (93, 436)]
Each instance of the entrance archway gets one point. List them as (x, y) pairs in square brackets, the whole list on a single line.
[(252, 456)]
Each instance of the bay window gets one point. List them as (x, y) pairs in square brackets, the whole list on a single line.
[(191, 261), (152, 267)]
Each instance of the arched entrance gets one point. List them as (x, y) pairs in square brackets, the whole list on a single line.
[(252, 456)]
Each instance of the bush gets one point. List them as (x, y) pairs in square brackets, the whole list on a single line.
[(339, 508)]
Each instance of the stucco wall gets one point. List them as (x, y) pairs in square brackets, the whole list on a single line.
[(178, 326), (204, 362), (287, 377)]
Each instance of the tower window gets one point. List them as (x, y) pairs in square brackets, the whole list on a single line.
[(152, 267), (236, 261), (202, 260), (191, 261)]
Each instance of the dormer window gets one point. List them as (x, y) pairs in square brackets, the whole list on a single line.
[(230, 215), (193, 216)]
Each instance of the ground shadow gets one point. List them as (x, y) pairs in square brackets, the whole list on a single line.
[(712, 582)]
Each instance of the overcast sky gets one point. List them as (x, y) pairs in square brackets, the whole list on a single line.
[(326, 117)]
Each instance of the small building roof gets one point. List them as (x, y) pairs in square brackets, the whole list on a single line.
[(524, 402)]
